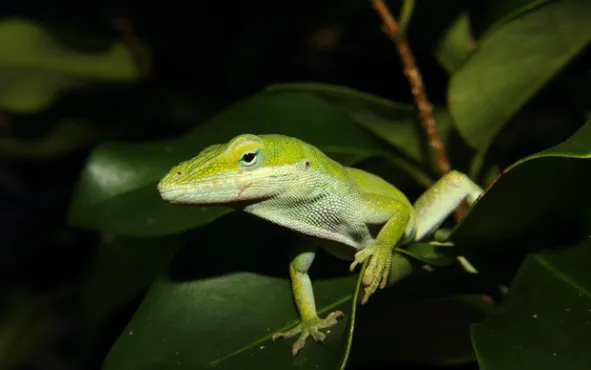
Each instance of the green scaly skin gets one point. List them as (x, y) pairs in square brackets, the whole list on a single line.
[(354, 214)]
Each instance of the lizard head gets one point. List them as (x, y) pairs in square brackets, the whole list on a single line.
[(247, 168)]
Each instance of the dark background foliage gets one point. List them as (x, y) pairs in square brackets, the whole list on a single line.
[(83, 264)]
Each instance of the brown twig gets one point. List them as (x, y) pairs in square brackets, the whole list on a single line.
[(425, 110), (129, 38), (5, 123), (424, 106)]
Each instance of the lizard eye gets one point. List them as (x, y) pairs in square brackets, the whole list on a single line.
[(249, 158)]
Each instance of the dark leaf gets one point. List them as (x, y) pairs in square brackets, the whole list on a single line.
[(545, 320), (67, 136), (545, 191), (512, 64), (33, 73), (25, 323), (430, 331)]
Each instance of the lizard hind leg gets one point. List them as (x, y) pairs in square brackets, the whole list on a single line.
[(310, 324), (441, 200)]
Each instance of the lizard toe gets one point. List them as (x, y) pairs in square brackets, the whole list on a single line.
[(377, 272), (309, 328), (362, 255)]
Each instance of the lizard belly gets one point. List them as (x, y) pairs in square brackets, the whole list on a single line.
[(357, 240), (323, 220)]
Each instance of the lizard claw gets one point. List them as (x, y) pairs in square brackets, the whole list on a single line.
[(362, 255), (309, 328), (378, 270)]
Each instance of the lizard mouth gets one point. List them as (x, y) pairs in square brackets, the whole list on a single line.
[(172, 195), (212, 192), (203, 192), (229, 188)]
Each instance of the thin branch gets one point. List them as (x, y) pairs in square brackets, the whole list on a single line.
[(425, 110), (129, 38), (5, 123), (424, 106)]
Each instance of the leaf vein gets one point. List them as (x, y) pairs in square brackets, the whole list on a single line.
[(562, 276)]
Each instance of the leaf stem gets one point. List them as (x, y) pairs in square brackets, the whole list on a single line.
[(408, 6)]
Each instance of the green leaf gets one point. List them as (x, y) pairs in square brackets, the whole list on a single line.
[(545, 320), (510, 65), (495, 13), (117, 189), (545, 191), (456, 45), (230, 329), (213, 311), (35, 72), (68, 135)]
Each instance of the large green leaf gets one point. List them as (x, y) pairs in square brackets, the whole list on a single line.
[(117, 190), (213, 310), (512, 63), (545, 320), (227, 323), (34, 68), (546, 191)]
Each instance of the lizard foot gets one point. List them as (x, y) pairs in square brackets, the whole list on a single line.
[(377, 271), (309, 328)]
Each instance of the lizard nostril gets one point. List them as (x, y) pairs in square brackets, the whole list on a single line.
[(179, 173)]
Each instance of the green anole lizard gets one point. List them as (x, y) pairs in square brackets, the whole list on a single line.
[(356, 215)]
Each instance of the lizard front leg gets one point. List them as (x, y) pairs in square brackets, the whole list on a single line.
[(380, 251), (303, 294)]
